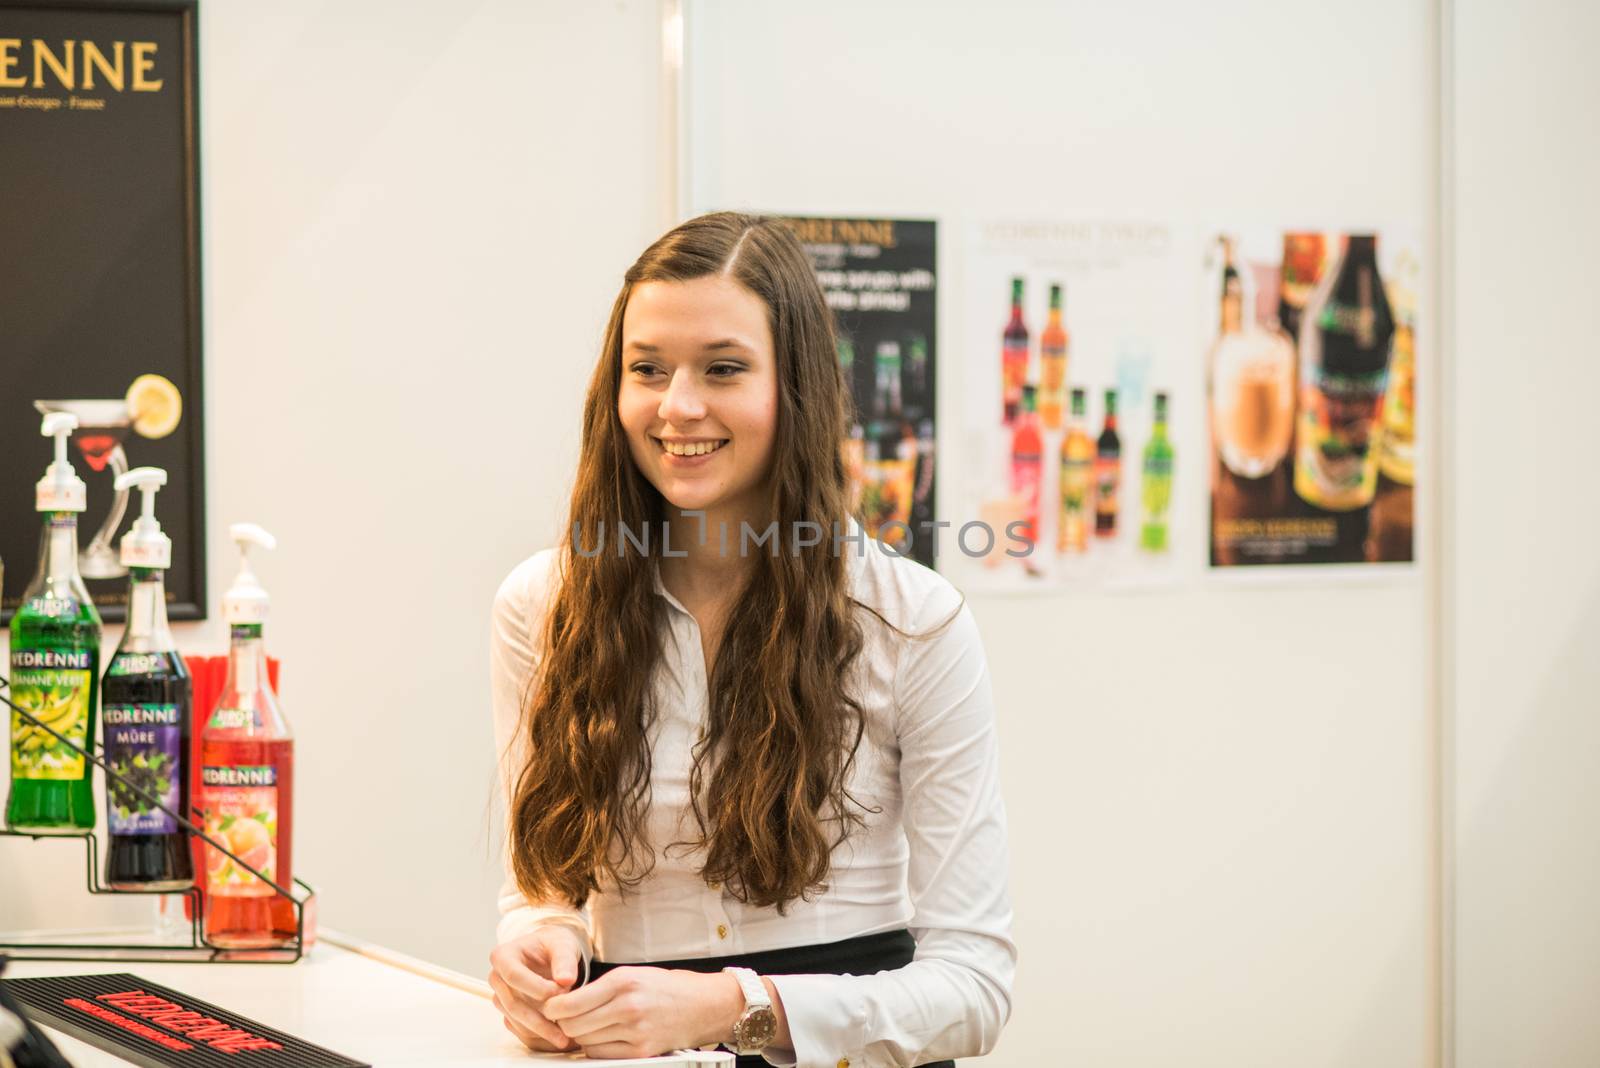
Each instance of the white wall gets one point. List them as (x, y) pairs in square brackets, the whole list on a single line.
[(1221, 842), (415, 219), (1222, 832), (1524, 580)]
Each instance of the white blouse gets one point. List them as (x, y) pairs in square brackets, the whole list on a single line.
[(934, 859)]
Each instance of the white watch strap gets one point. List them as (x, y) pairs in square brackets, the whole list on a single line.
[(755, 991)]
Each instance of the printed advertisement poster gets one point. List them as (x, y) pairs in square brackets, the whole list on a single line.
[(879, 278), (1310, 354), (1078, 399), (100, 299)]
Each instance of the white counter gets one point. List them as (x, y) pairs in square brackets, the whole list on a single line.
[(356, 999)]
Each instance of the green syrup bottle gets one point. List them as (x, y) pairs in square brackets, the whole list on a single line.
[(55, 663), (1157, 482)]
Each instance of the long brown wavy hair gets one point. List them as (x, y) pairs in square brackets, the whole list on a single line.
[(771, 816)]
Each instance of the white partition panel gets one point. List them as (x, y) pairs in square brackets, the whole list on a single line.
[(1523, 578), (1221, 797)]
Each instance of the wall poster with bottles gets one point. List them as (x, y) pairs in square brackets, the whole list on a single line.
[(1310, 353), (1076, 399), (100, 304), (879, 276)]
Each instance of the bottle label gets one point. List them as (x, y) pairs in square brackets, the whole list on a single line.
[(53, 686), (234, 719), (1014, 368), (1158, 466), (1077, 476), (1353, 320), (1340, 414), (1108, 472), (242, 813), (60, 500), (1052, 369), (144, 745), (1157, 489), (54, 607), (137, 664), (1027, 473), (157, 557)]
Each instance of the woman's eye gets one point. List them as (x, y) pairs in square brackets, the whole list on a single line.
[(643, 370), (725, 370)]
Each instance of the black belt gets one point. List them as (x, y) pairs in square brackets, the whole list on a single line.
[(863, 955)]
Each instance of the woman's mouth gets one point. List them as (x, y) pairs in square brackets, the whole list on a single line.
[(689, 452)]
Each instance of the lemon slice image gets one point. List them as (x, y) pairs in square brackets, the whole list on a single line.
[(155, 406)]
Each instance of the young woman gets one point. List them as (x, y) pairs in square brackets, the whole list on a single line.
[(735, 733)]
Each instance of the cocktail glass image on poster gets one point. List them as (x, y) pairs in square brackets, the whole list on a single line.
[(878, 278), (1310, 359), (152, 408), (101, 297), (1076, 398)]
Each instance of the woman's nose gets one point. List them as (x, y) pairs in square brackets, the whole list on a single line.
[(682, 402)]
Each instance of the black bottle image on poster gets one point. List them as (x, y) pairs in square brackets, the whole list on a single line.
[(879, 279), (100, 281)]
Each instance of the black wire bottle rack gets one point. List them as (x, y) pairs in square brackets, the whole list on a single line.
[(196, 947)]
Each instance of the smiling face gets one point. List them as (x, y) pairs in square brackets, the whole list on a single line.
[(699, 394)]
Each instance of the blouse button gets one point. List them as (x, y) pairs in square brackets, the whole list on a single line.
[(722, 930), (844, 1062)]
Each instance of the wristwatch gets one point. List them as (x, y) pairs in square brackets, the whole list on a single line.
[(759, 1024)]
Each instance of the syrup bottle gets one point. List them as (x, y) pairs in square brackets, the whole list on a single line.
[(55, 663), (1013, 357), (247, 778), (1107, 472), (148, 702), (1346, 339)]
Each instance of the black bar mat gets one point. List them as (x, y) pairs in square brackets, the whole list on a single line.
[(157, 1027)]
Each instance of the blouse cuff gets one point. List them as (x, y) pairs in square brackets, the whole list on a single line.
[(827, 1022)]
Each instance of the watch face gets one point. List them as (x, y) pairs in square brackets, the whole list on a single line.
[(756, 1030)]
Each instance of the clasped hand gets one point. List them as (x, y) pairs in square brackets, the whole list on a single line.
[(631, 1011)]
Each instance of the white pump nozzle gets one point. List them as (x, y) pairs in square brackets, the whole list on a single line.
[(246, 601), (145, 545), (60, 490), (59, 423)]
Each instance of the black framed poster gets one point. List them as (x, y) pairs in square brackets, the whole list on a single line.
[(100, 278), (879, 277)]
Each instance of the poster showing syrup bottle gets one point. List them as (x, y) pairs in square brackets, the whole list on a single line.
[(879, 278), (1310, 351), (1079, 408)]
